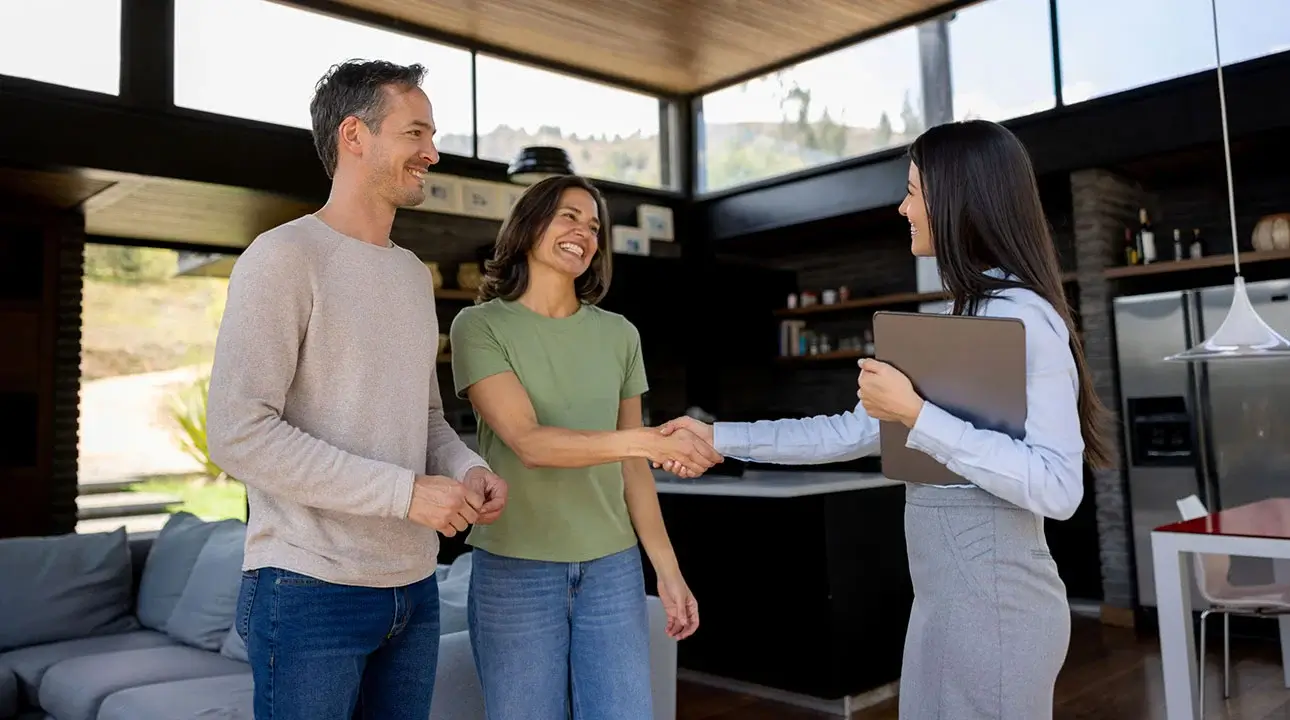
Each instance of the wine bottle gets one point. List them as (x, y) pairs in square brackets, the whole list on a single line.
[(1131, 256), (1146, 238)]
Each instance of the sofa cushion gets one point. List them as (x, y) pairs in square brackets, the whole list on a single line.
[(457, 692), (8, 692), (74, 689), (454, 588), (65, 586), (227, 697), (170, 562), (206, 608), (29, 664), (234, 647)]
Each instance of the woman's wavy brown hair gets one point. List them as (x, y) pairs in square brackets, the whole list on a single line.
[(506, 275)]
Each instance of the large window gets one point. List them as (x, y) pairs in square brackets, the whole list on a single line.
[(73, 43), (845, 104), (260, 60), (995, 80), (148, 339), (1108, 46), (609, 133)]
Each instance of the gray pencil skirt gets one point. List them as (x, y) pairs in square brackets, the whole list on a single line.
[(991, 624)]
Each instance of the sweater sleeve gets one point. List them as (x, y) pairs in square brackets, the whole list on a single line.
[(270, 299), (446, 454)]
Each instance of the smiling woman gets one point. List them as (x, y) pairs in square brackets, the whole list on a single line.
[(556, 383)]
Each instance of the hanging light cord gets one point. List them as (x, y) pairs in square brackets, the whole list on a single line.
[(1227, 146)]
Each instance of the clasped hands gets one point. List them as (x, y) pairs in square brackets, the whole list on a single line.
[(885, 393), (450, 507), (683, 447)]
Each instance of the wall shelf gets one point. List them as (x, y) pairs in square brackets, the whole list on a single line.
[(1213, 261), (822, 357), (878, 301), (907, 298)]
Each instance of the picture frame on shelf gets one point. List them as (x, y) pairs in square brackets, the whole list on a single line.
[(443, 194), (481, 199), (630, 240), (656, 222)]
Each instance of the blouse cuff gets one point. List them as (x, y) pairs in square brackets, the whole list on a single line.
[(936, 432), (731, 439)]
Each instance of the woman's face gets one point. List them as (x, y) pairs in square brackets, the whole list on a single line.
[(914, 208), (572, 238)]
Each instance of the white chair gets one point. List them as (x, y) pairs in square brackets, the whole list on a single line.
[(1228, 599)]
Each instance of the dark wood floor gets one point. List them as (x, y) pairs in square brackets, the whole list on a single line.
[(1109, 674)]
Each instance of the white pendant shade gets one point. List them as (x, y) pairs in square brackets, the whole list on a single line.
[(1243, 334)]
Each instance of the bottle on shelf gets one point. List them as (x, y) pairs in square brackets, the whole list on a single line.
[(1146, 238), (1197, 248), (1178, 248), (1131, 255)]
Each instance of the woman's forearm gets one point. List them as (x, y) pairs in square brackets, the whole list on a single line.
[(555, 447), (647, 517), (805, 441)]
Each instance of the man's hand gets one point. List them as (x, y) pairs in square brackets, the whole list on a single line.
[(492, 488), (444, 504)]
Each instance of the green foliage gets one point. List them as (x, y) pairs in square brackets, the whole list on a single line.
[(130, 264), (188, 409), (805, 137), (207, 499), (138, 317)]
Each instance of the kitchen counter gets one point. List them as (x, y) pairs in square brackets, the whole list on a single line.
[(771, 483), (802, 577)]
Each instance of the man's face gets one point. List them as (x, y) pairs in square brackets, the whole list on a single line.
[(404, 149)]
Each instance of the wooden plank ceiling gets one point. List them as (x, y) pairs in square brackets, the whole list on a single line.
[(678, 46)]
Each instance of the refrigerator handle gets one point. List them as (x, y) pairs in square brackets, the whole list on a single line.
[(1198, 398)]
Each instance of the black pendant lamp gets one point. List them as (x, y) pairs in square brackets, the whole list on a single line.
[(539, 162)]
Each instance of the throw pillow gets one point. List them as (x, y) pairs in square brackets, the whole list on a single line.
[(206, 608), (170, 562), (65, 586)]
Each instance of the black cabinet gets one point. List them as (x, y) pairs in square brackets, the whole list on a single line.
[(807, 594)]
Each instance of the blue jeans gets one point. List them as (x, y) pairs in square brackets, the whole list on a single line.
[(554, 640), (321, 651)]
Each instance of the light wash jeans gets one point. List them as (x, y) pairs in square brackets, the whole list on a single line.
[(320, 651), (557, 640)]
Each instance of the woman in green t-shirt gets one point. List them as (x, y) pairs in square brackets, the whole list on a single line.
[(557, 608)]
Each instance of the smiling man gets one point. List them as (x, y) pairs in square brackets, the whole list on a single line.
[(324, 401)]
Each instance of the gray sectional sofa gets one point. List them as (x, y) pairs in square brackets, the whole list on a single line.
[(114, 627)]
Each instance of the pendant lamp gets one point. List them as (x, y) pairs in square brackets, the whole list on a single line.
[(537, 163), (1242, 334)]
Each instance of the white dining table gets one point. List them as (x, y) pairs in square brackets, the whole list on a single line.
[(1260, 529)]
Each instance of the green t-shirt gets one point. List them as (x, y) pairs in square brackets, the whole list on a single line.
[(576, 370)]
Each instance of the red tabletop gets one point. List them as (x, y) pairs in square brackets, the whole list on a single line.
[(1263, 519)]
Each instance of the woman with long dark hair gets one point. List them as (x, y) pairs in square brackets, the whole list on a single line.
[(557, 608), (990, 625)]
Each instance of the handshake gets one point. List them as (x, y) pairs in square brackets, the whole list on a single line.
[(682, 447)]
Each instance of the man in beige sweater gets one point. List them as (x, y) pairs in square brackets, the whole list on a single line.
[(324, 401)]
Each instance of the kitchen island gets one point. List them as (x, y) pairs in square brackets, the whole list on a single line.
[(802, 581)]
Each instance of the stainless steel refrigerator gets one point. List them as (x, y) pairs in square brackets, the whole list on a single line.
[(1219, 430)]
